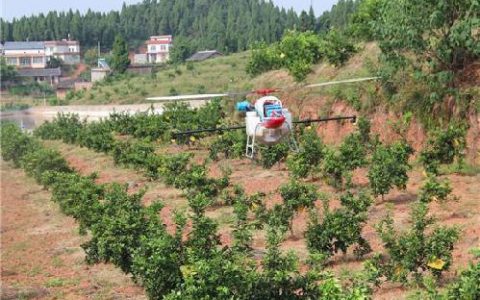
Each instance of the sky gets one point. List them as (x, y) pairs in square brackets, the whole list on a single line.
[(17, 8)]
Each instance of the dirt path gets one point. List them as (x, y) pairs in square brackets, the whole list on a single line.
[(41, 253)]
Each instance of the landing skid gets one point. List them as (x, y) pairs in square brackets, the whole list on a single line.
[(251, 147)]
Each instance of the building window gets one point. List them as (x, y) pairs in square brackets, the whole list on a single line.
[(153, 48), (38, 60), (163, 47), (12, 61), (25, 61)]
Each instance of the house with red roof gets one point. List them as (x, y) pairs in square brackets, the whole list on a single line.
[(158, 48)]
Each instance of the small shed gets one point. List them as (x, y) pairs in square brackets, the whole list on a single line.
[(50, 76), (203, 55)]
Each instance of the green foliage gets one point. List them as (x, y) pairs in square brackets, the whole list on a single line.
[(336, 48), (429, 30), (91, 57), (271, 155), (364, 129), (362, 19), (417, 250), (467, 286), (15, 144), (175, 117), (158, 260), (263, 58), (184, 265), (389, 167), (12, 106), (7, 73), (231, 144), (443, 147), (64, 126), (173, 166), (297, 52), (308, 159), (433, 44), (39, 161), (182, 49), (118, 232), (353, 151), (228, 27), (297, 196), (340, 228), (97, 136), (435, 190), (120, 61), (333, 168), (31, 89), (78, 196), (139, 154)]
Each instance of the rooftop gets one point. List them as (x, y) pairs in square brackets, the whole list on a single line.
[(24, 45), (39, 72), (203, 55)]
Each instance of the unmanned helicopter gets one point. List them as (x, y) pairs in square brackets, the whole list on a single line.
[(267, 120)]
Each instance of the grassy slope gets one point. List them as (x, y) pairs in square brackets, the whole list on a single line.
[(220, 75)]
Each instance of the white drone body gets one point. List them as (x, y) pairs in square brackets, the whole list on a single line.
[(268, 123)]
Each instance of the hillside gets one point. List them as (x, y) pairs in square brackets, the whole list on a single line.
[(223, 74), (228, 74)]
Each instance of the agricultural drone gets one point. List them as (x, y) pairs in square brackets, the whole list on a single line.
[(267, 121)]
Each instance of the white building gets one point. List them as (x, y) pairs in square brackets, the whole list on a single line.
[(25, 54), (35, 55), (67, 51), (158, 48)]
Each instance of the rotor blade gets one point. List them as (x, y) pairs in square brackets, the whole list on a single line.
[(341, 81), (186, 97)]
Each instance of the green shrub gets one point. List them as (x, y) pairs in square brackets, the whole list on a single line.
[(336, 48), (308, 159), (65, 127), (118, 232), (15, 144), (434, 190), (231, 144), (340, 228), (389, 167), (443, 147), (78, 196), (97, 136), (417, 250), (39, 161), (353, 152), (271, 155)]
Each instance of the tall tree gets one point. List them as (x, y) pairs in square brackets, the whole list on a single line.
[(120, 60)]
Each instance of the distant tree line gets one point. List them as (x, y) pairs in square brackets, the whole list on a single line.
[(225, 25), (228, 26)]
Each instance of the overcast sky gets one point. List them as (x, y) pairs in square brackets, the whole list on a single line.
[(17, 8)]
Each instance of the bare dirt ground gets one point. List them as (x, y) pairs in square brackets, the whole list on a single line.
[(41, 254), (465, 212)]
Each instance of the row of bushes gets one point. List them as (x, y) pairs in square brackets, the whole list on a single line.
[(175, 170), (188, 264), (176, 117)]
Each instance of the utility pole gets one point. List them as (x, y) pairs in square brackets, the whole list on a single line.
[(98, 56)]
